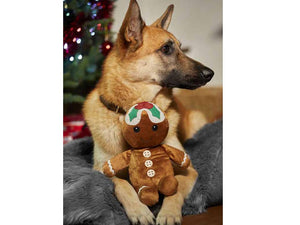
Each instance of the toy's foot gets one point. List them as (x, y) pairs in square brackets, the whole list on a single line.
[(168, 185), (148, 195)]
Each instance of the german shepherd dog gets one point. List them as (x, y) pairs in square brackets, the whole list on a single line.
[(145, 63)]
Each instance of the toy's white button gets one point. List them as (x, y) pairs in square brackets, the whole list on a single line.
[(148, 163), (147, 153), (150, 173)]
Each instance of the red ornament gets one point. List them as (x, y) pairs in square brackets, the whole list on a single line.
[(106, 47), (74, 128)]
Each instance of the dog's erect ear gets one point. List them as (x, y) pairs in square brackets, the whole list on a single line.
[(164, 21), (131, 30)]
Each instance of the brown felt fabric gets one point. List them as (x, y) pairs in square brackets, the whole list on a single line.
[(160, 156), (119, 162), (168, 185), (164, 178), (146, 137), (138, 171), (149, 196), (177, 156)]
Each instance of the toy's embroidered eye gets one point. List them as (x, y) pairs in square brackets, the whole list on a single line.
[(136, 129), (154, 127)]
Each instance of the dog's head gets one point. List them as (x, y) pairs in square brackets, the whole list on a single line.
[(152, 54)]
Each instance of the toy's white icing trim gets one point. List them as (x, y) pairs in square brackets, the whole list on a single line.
[(141, 189), (110, 167), (184, 159), (136, 120)]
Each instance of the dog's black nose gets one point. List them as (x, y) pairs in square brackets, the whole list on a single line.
[(207, 73)]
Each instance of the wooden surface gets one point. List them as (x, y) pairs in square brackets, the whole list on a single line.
[(213, 216)]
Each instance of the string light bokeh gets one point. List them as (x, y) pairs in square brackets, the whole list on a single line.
[(74, 25), (86, 42)]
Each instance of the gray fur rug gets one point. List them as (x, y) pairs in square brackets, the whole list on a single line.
[(89, 195)]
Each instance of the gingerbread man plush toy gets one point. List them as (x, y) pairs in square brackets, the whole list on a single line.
[(149, 161)]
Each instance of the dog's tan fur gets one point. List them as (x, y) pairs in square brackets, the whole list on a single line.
[(131, 74)]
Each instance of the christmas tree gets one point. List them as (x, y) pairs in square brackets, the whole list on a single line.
[(86, 42)]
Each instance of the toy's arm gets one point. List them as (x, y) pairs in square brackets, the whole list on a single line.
[(117, 163), (179, 157)]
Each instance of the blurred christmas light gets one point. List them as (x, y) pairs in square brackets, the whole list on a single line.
[(105, 47), (87, 25), (66, 46)]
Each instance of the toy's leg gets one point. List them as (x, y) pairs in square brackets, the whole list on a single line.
[(168, 185), (148, 195)]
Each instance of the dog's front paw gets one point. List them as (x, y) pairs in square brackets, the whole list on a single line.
[(169, 216), (141, 214)]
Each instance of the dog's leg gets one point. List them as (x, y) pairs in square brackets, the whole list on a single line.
[(136, 211), (170, 212)]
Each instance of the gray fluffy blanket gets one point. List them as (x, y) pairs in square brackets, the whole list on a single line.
[(89, 195)]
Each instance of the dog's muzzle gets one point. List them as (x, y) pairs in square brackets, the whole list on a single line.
[(176, 79)]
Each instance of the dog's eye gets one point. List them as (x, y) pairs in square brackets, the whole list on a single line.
[(136, 129), (167, 49), (154, 127)]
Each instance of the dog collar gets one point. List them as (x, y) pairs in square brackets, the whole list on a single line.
[(111, 106)]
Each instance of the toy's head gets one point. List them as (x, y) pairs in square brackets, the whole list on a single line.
[(145, 125)]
